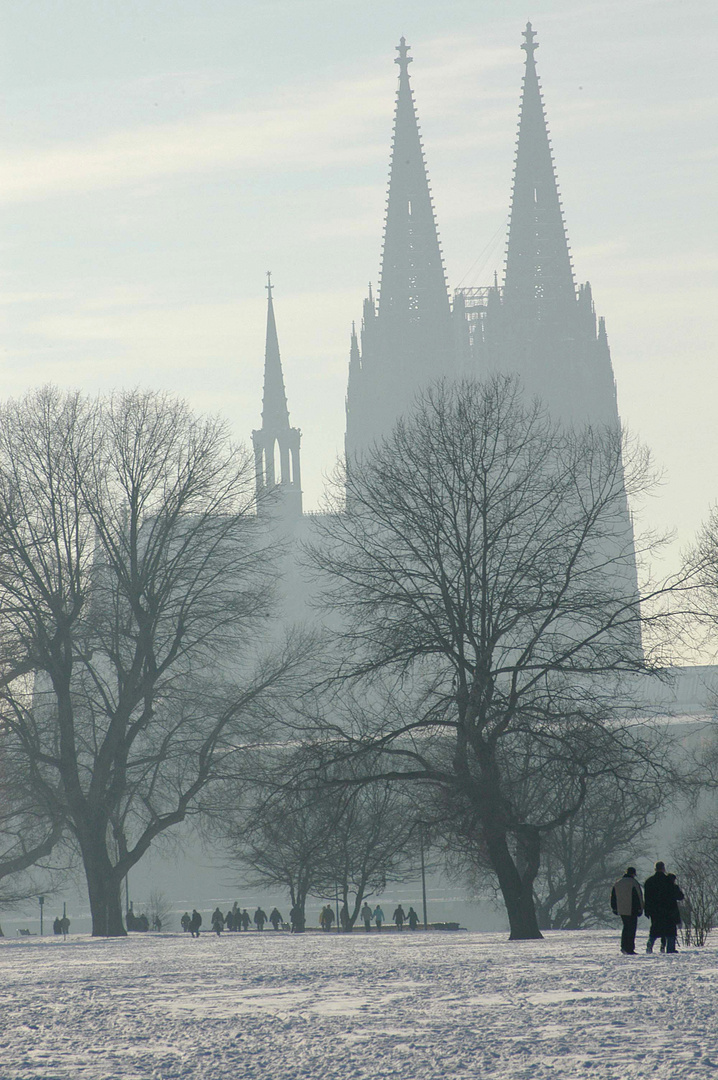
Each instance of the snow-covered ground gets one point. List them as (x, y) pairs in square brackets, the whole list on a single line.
[(390, 1006)]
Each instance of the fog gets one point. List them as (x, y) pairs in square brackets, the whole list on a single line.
[(159, 159)]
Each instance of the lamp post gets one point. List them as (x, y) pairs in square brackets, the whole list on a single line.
[(423, 870), (41, 901)]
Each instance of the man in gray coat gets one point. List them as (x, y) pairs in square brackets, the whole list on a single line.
[(627, 901)]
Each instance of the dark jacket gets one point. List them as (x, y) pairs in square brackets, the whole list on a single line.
[(661, 904), (658, 894)]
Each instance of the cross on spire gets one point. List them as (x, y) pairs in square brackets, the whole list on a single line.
[(403, 59), (529, 46), (268, 286)]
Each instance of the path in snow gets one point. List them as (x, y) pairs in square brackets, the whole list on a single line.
[(330, 1007)]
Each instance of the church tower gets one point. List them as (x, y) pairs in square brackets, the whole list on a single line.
[(538, 324), (407, 337), (276, 444)]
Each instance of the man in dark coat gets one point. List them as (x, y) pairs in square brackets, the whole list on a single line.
[(627, 901), (195, 923), (659, 900)]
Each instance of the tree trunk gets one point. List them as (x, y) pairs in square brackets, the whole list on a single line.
[(516, 890), (103, 887)]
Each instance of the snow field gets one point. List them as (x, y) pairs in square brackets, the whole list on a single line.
[(329, 1007)]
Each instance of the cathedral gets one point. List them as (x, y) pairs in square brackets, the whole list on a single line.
[(537, 323)]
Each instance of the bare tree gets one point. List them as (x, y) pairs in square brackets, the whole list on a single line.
[(29, 834), (695, 859), (158, 909), (278, 839), (483, 558), (331, 836), (594, 846), (132, 580), (587, 849), (373, 839)]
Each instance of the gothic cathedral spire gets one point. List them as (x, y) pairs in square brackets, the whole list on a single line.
[(276, 444), (537, 325), (407, 338), (538, 264)]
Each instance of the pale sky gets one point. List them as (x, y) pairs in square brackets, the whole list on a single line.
[(158, 156)]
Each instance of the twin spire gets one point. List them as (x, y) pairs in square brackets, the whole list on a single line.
[(413, 283), (538, 263), (406, 338), (535, 324)]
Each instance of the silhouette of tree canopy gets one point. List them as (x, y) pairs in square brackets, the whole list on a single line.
[(326, 836), (132, 585), (487, 582)]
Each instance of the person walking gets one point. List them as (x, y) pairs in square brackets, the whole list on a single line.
[(412, 918), (367, 916), (244, 920), (674, 915), (275, 918), (326, 918), (399, 917), (185, 921), (658, 894), (217, 921), (195, 922), (260, 918), (378, 916), (627, 901)]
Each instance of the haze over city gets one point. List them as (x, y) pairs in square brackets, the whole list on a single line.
[(456, 732), (158, 159)]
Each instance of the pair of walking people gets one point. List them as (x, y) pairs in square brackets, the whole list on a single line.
[(660, 905)]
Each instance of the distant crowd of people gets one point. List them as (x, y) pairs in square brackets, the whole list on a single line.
[(326, 917), (235, 919), (239, 919), (658, 901)]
